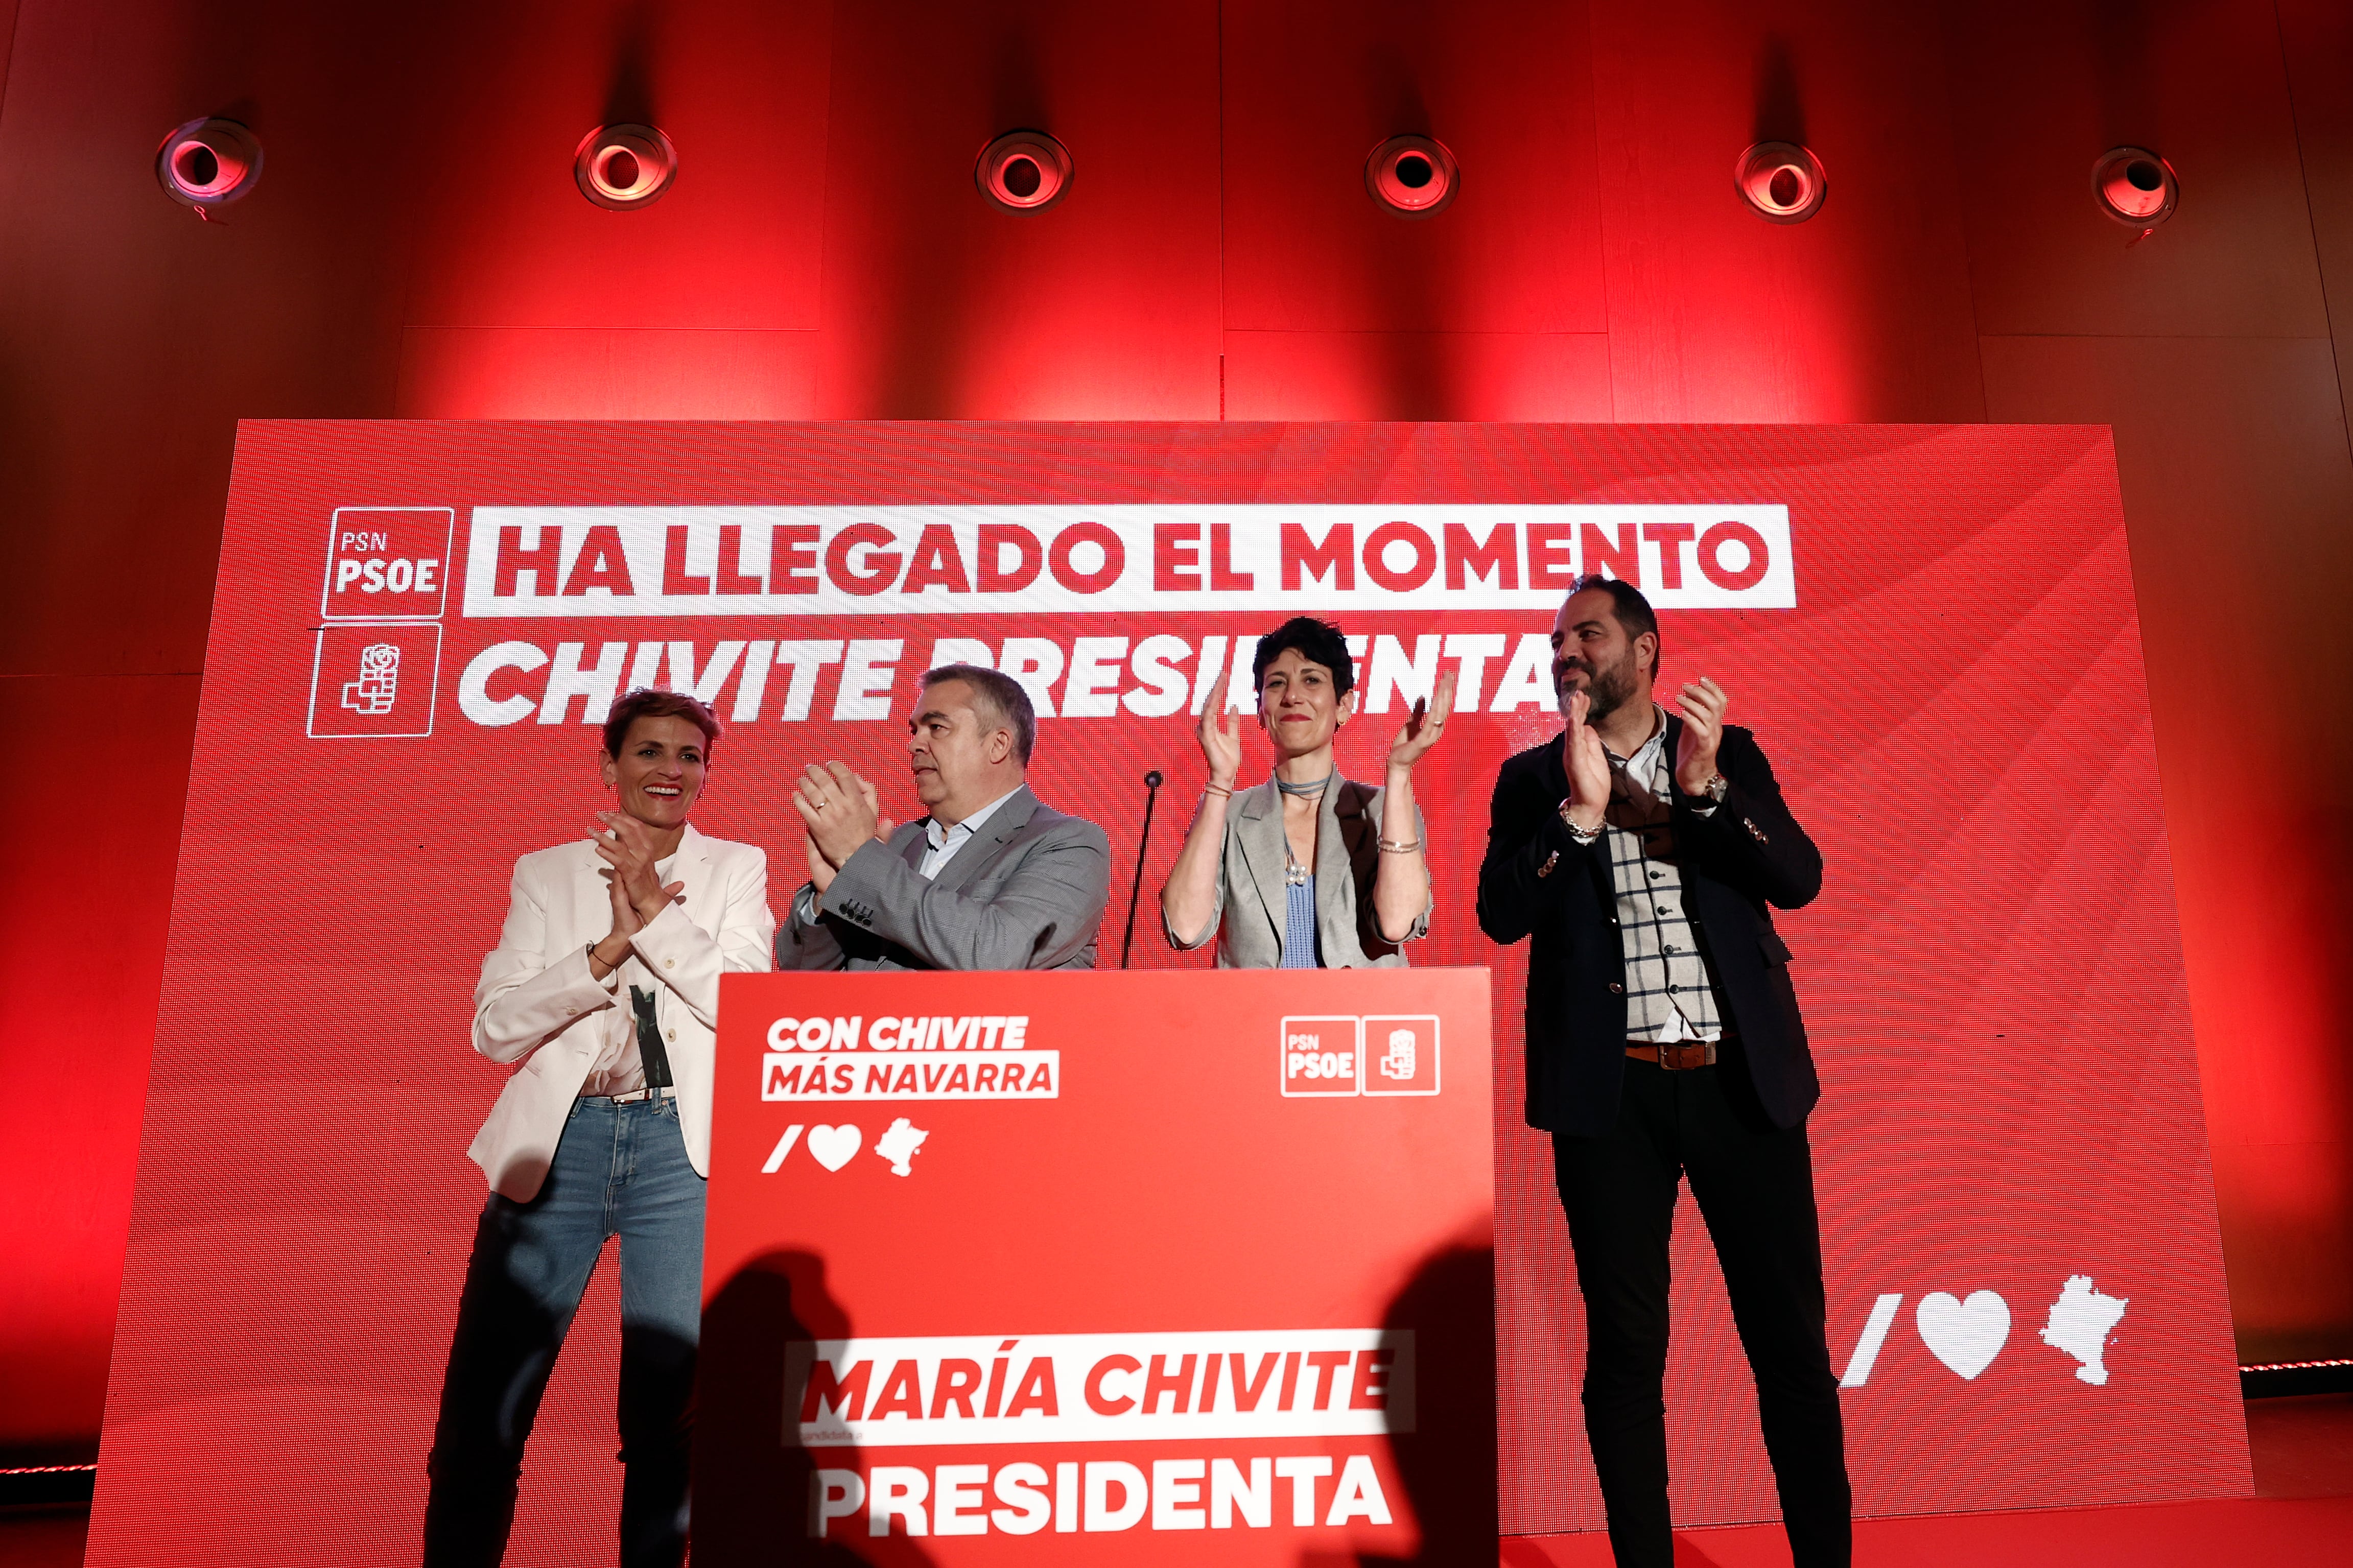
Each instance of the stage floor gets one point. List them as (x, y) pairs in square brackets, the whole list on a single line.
[(2302, 1513)]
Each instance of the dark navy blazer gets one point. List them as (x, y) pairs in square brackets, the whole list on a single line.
[(1538, 882)]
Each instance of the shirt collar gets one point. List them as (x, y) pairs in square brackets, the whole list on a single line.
[(1647, 753), (937, 837)]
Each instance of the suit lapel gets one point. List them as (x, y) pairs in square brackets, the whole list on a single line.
[(589, 876), (1260, 829), (1552, 767), (1344, 825), (692, 866), (986, 845)]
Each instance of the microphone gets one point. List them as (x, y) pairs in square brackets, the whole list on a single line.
[(1142, 842)]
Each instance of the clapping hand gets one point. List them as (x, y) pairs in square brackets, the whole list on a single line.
[(1588, 768), (1702, 703), (1423, 725), (841, 813), (1221, 735), (627, 847)]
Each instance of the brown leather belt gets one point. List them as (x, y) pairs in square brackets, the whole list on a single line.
[(635, 1095), (1676, 1059)]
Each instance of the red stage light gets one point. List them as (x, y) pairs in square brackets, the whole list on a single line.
[(1412, 176), (2135, 188), (624, 166), (208, 163), (1780, 181), (1023, 171)]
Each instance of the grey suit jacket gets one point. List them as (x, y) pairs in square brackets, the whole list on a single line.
[(1027, 892), (1348, 859)]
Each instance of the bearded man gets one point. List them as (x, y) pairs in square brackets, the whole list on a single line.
[(1644, 852)]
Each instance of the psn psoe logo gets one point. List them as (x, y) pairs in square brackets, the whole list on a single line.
[(1397, 1063), (1362, 1057), (1320, 1058), (374, 680), (378, 686)]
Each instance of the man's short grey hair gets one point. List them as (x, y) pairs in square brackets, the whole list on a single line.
[(998, 691)]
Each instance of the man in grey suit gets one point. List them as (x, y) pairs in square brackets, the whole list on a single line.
[(990, 879)]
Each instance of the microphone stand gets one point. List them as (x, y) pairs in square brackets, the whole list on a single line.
[(1144, 842)]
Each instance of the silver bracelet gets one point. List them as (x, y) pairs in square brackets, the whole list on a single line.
[(1581, 835), (1396, 847)]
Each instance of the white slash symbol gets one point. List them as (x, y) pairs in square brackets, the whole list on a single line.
[(784, 1147), (1866, 1348)]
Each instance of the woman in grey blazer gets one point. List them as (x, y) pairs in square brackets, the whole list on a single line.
[(1312, 878)]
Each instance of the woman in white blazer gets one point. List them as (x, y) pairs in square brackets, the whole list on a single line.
[(1304, 871), (602, 994)]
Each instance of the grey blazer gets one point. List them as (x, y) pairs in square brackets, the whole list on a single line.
[(1027, 892), (1348, 859)]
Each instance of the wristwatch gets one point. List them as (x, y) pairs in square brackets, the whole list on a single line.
[(1714, 790)]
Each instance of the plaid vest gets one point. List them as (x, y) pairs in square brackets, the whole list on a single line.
[(1665, 974)]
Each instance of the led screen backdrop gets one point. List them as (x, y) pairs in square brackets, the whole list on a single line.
[(1931, 630)]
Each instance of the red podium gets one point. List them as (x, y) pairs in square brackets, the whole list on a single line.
[(1088, 1267)]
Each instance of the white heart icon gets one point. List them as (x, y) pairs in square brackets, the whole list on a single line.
[(1964, 1335), (834, 1147)]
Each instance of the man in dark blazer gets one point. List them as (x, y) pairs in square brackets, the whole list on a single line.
[(991, 879), (1643, 853)]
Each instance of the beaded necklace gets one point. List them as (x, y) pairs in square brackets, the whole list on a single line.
[(1295, 875)]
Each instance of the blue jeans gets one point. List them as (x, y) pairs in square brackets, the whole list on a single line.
[(620, 1170)]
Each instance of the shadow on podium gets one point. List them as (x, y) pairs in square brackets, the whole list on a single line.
[(751, 1485), (1449, 1302)]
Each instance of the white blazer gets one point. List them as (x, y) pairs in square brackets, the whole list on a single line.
[(538, 1006)]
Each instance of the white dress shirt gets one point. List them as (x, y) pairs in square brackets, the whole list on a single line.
[(941, 844)]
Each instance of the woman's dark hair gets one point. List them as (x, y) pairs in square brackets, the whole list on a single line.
[(649, 703), (1317, 642)]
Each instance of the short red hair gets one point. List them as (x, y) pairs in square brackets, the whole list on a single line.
[(652, 702)]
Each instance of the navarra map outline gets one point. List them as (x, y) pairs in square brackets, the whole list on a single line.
[(2080, 1322), (899, 1145)]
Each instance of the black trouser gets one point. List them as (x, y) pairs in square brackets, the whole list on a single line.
[(1754, 1184)]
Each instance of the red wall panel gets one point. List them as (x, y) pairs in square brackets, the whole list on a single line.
[(1862, 312), (133, 337), (504, 236), (938, 304), (1491, 309), (524, 297), (97, 797), (2236, 483), (2041, 91)]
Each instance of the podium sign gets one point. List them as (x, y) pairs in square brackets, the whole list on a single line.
[(1103, 1267)]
